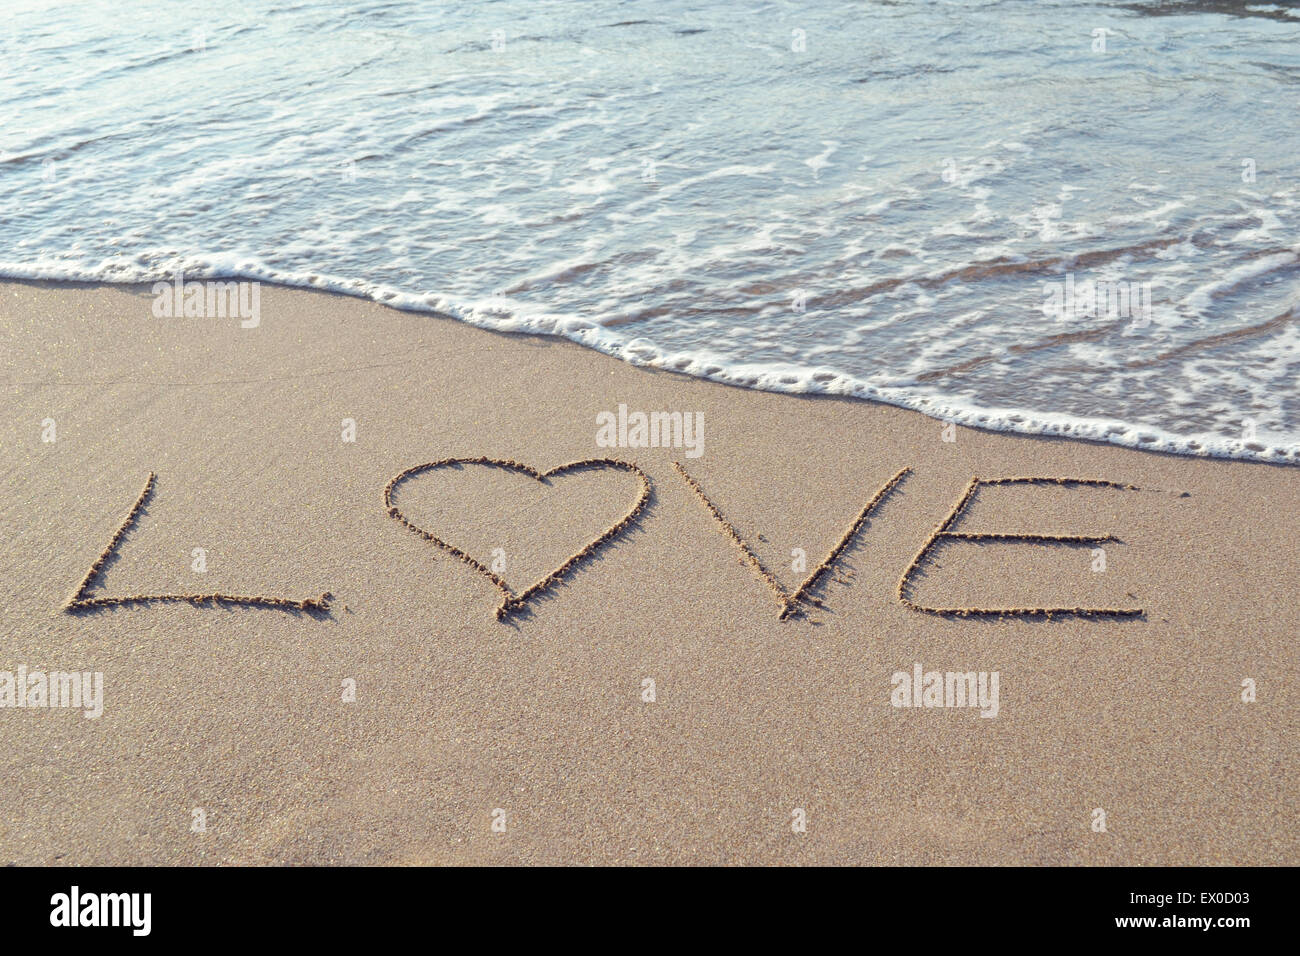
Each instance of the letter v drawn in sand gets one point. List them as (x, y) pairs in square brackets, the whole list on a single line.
[(510, 601), (791, 604), (81, 602)]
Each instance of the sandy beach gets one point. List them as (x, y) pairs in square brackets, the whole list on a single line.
[(542, 722)]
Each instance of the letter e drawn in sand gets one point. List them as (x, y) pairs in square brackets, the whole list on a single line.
[(791, 604), (80, 601), (943, 530), (510, 601)]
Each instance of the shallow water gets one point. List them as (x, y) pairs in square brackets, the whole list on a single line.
[(873, 199)]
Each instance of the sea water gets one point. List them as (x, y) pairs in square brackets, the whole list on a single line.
[(1044, 217)]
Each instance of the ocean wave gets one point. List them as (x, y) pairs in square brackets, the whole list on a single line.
[(918, 207)]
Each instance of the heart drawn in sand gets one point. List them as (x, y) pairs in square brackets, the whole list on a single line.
[(511, 601)]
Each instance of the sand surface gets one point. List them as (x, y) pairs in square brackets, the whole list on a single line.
[(239, 710)]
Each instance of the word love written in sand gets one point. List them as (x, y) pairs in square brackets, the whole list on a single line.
[(791, 604)]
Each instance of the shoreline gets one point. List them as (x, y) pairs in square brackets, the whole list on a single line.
[(1158, 440)]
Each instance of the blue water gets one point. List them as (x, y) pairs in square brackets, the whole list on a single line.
[(869, 199)]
